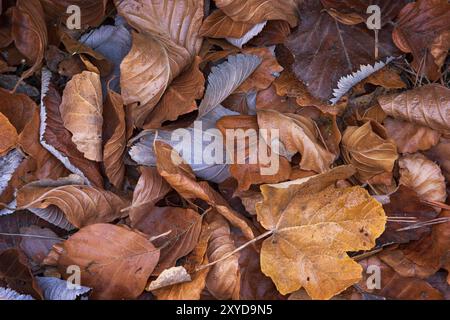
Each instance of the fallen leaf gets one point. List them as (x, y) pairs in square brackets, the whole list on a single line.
[(57, 289), (114, 261), (219, 25), (368, 150), (180, 176), (410, 137), (177, 230), (312, 225), (428, 106), (150, 188), (29, 32), (37, 248), (8, 294), (115, 146), (8, 135), (179, 98), (81, 111), (58, 140), (441, 154), (169, 277), (297, 134), (256, 11), (82, 205), (326, 50), (223, 280), (15, 271), (423, 176), (419, 25)]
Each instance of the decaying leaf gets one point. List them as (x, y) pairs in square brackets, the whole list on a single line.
[(428, 106), (423, 176), (368, 150), (81, 110), (8, 135), (114, 261), (312, 225)]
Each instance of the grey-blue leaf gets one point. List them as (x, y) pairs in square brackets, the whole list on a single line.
[(253, 32), (142, 152), (114, 43), (225, 79), (9, 294), (57, 289), (8, 165)]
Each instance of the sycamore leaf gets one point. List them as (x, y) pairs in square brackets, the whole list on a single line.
[(256, 11), (57, 289), (115, 262), (326, 50), (410, 137), (423, 176), (150, 188), (419, 25), (428, 106), (225, 79), (82, 205), (368, 150), (29, 32), (8, 135), (81, 110), (313, 225), (58, 140)]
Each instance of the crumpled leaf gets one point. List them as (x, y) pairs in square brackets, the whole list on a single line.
[(177, 230), (326, 50), (410, 137), (57, 289), (420, 24), (115, 146), (81, 110), (179, 98), (253, 32), (169, 277), (223, 280), (180, 176), (312, 225), (29, 32), (247, 173), (8, 135), (256, 11), (18, 108), (150, 188), (58, 140), (423, 176), (297, 134), (82, 205), (115, 262), (441, 154), (368, 150), (428, 106), (160, 52)]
